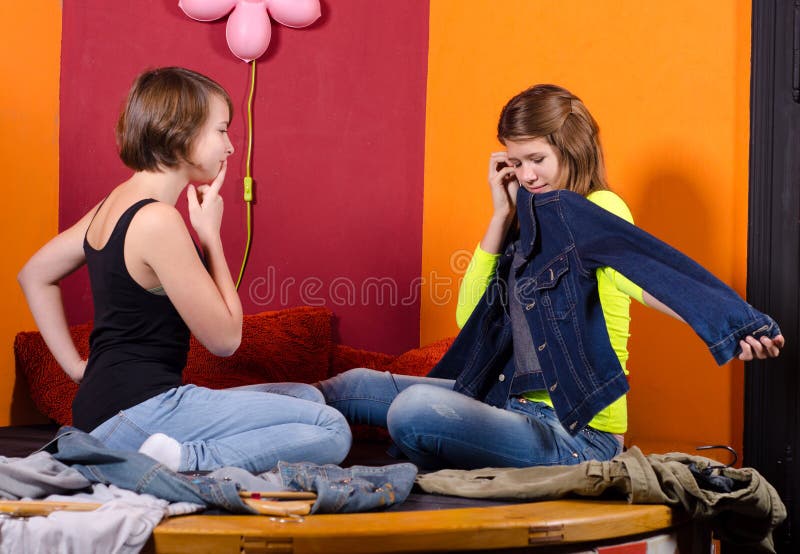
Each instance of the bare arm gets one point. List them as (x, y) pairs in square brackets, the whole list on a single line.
[(651, 302), (39, 279), (206, 300)]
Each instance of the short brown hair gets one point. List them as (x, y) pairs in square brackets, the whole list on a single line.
[(554, 113), (165, 109)]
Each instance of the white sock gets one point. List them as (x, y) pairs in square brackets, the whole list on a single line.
[(163, 449)]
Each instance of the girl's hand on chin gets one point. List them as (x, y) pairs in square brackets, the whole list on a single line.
[(205, 206)]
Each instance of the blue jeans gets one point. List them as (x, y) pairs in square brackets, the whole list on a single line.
[(139, 473), (251, 427), (354, 489), (437, 427)]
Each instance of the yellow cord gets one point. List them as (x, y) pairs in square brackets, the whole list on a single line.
[(248, 180)]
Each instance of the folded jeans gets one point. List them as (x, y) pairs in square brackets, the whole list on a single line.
[(354, 489)]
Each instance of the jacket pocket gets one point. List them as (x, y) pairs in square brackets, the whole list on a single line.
[(555, 289)]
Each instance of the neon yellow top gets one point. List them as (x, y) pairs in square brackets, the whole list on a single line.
[(615, 291)]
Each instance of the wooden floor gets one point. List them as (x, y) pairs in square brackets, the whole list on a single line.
[(538, 526)]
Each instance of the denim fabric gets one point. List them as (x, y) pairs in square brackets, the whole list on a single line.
[(436, 427), (139, 473), (364, 395), (354, 489), (250, 427), (439, 428), (296, 390), (564, 239)]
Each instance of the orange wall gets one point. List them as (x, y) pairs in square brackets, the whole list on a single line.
[(669, 84), (30, 42)]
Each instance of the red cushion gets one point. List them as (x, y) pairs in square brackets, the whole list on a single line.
[(420, 360), (346, 357), (287, 345), (51, 390)]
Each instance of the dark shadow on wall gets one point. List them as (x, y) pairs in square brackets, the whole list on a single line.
[(675, 210), (23, 410)]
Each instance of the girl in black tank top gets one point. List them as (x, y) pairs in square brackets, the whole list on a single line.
[(150, 289), (139, 342)]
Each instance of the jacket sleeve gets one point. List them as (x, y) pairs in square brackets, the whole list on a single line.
[(715, 311)]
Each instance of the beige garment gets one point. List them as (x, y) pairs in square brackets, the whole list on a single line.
[(745, 515)]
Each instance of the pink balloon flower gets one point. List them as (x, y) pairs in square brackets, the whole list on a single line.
[(248, 29)]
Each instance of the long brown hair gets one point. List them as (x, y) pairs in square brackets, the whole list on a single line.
[(555, 114)]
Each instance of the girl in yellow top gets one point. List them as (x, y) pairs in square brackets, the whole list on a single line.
[(614, 290), (551, 143)]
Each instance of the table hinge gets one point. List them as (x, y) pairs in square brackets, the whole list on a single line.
[(261, 545), (544, 534)]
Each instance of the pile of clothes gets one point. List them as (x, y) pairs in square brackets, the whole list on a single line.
[(136, 493)]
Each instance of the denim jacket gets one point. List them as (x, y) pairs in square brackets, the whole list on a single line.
[(564, 239)]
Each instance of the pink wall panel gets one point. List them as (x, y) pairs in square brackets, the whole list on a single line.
[(338, 150)]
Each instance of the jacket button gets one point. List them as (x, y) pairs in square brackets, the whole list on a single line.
[(530, 306), (501, 378), (554, 387), (541, 346), (574, 454)]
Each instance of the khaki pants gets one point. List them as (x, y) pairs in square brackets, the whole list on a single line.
[(751, 508)]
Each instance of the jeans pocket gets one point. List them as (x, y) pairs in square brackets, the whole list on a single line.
[(599, 445), (555, 289)]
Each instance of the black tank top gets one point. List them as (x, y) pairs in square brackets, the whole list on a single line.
[(139, 343)]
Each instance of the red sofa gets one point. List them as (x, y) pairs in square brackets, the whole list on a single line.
[(294, 344)]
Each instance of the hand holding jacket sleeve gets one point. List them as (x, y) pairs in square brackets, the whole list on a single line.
[(715, 311), (761, 349)]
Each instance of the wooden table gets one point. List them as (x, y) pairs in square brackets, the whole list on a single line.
[(538, 525)]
